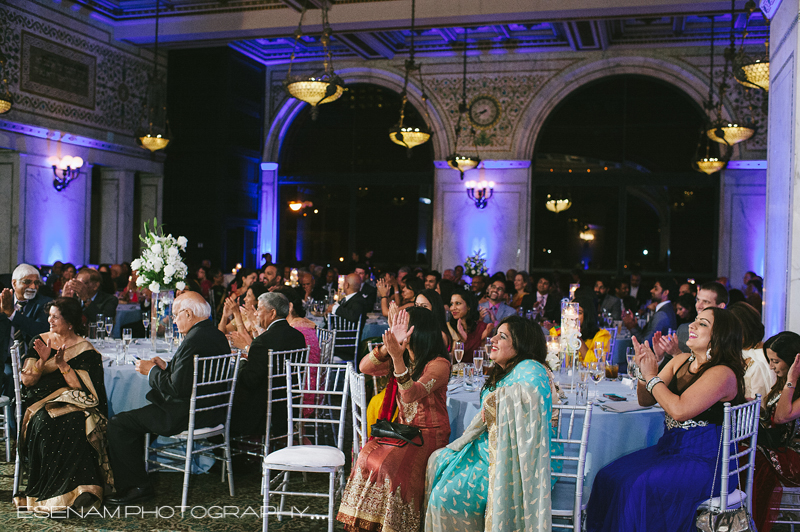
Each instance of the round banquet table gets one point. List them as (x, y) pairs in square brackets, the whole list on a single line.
[(611, 436)]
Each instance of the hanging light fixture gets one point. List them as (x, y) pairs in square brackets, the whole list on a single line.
[(750, 72), (456, 161), (401, 134), (315, 90), (557, 204), (6, 100), (703, 162), (151, 139)]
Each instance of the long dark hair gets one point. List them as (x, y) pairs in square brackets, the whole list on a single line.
[(786, 345), (437, 307), (589, 326), (70, 311), (426, 340), (473, 312), (752, 328), (726, 347), (294, 298), (529, 343), (415, 284)]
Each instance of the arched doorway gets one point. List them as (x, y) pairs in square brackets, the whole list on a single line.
[(361, 191), (620, 148)]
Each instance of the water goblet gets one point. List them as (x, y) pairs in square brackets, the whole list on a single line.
[(477, 361), (146, 322), (109, 325), (169, 334), (629, 358), (597, 374), (101, 324), (127, 338)]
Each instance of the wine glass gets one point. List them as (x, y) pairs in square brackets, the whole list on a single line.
[(458, 351), (598, 373), (109, 325), (127, 338), (169, 334), (146, 322), (477, 361), (630, 354), (101, 323)]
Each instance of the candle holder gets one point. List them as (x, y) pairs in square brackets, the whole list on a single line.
[(570, 338)]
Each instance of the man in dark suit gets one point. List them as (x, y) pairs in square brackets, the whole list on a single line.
[(606, 301), (367, 291), (309, 290), (170, 394), (23, 315), (250, 402), (354, 306), (542, 298), (86, 287), (664, 319)]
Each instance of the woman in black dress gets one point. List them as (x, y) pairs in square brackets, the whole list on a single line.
[(63, 434)]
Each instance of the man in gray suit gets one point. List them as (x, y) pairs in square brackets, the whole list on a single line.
[(495, 309), (663, 291), (606, 301)]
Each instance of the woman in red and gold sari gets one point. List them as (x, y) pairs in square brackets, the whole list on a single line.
[(62, 437), (387, 484)]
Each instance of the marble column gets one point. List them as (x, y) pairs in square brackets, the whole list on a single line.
[(501, 231), (742, 220), (116, 215), (10, 254), (268, 212), (782, 272), (150, 189)]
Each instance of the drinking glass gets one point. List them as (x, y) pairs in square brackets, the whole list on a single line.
[(127, 338), (458, 354), (109, 325), (629, 357), (597, 374), (101, 324), (477, 361), (169, 334), (146, 322)]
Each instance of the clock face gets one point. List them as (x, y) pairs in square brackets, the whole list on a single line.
[(484, 112)]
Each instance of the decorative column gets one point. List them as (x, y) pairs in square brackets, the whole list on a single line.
[(501, 231), (268, 212), (116, 215), (9, 211), (150, 189), (742, 219), (782, 273)]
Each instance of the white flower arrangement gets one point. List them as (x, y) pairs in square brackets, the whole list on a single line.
[(553, 362), (475, 265), (161, 267)]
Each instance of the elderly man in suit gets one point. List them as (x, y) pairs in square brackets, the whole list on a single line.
[(23, 315), (170, 394), (250, 402), (606, 301), (86, 287)]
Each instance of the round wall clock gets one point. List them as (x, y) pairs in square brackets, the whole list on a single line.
[(484, 111)]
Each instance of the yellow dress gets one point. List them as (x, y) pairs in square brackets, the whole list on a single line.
[(602, 336)]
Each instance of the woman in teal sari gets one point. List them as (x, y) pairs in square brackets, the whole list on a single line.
[(496, 476)]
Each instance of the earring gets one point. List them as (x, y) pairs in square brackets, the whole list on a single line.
[(708, 353)]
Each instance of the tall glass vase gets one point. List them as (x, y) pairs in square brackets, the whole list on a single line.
[(160, 307)]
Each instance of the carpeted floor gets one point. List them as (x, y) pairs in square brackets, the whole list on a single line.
[(208, 498)]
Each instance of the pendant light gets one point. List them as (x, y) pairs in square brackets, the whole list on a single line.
[(456, 161), (753, 73), (703, 162), (151, 139), (315, 90), (402, 134)]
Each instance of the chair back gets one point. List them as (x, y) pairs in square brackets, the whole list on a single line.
[(347, 332), (15, 370), (213, 386), (358, 401), (327, 341), (277, 383), (331, 381), (739, 424), (574, 452)]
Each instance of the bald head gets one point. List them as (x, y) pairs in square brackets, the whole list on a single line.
[(188, 310), (352, 284)]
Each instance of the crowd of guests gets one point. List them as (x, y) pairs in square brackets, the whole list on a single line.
[(697, 347)]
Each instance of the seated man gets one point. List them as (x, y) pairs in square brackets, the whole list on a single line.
[(250, 402), (606, 301), (542, 299), (171, 391), (309, 290), (367, 291), (86, 287), (495, 307), (663, 320), (352, 308)]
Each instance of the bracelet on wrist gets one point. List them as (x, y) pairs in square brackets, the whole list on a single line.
[(400, 375), (65, 372), (652, 383), (789, 384)]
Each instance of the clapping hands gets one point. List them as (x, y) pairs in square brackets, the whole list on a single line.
[(383, 288), (396, 339), (646, 359), (43, 349)]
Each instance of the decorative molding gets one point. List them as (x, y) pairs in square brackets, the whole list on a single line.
[(746, 165)]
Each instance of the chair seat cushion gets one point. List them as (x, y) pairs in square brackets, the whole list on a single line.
[(306, 456), (199, 433), (4, 401), (735, 499)]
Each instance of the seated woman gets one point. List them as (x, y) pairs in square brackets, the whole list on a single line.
[(522, 288), (63, 433), (500, 466), (659, 488), (685, 309), (466, 324), (778, 456), (233, 319), (591, 333), (431, 300), (408, 289), (387, 483), (758, 377)]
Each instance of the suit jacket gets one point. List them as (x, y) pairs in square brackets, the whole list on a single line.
[(171, 388), (250, 402), (552, 307), (32, 321), (370, 295), (612, 304), (104, 304), (503, 311), (353, 308), (662, 320)]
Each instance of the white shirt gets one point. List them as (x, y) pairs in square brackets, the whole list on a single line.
[(658, 307), (346, 298), (634, 291), (759, 377), (541, 298)]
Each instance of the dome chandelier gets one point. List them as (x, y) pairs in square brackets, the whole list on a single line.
[(6, 100), (320, 89), (557, 204), (151, 138), (753, 73), (456, 161), (401, 134)]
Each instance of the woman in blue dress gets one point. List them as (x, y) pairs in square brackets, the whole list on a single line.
[(496, 476), (659, 488)]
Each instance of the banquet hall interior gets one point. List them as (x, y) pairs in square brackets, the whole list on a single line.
[(577, 141)]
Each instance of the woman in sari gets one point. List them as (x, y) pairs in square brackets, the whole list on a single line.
[(63, 434), (496, 476), (387, 483)]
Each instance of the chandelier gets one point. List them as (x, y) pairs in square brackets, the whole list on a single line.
[(456, 161), (752, 73), (709, 165), (315, 90), (400, 134), (151, 139), (6, 100), (557, 205)]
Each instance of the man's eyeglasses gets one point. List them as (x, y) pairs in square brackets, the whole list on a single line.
[(28, 282), (176, 314)]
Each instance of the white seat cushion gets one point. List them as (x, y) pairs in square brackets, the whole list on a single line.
[(198, 433), (735, 499), (4, 401), (306, 456)]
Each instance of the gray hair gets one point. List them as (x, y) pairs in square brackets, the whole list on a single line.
[(276, 301), (200, 309), (24, 270)]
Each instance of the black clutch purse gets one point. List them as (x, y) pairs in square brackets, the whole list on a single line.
[(397, 431)]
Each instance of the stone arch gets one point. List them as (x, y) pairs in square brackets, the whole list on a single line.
[(384, 78), (688, 79)]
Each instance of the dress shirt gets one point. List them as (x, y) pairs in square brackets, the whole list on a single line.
[(346, 298), (658, 307)]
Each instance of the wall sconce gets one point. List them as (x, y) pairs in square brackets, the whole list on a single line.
[(480, 192), (66, 170)]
